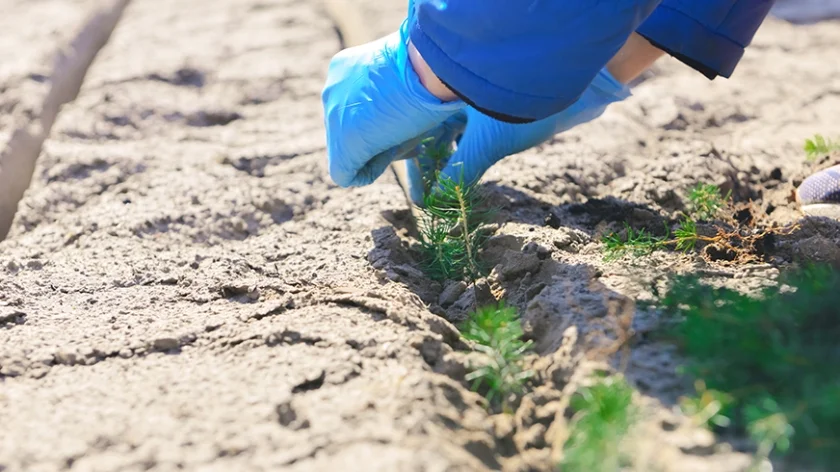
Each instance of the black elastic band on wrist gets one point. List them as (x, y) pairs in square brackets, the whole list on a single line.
[(492, 114), (707, 71)]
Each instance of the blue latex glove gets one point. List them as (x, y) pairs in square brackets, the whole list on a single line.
[(376, 108), (484, 141)]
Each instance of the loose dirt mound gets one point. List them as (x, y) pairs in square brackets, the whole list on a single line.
[(185, 288)]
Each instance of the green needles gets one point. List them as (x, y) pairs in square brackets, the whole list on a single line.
[(820, 146), (706, 201), (768, 364), (497, 333), (604, 413), (450, 239)]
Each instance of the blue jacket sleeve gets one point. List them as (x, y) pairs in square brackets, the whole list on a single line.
[(522, 60), (708, 35)]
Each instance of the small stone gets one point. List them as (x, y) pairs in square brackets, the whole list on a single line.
[(641, 216), (552, 221), (516, 263), (38, 372), (287, 416), (380, 263), (451, 293), (314, 379), (534, 290), (10, 315), (35, 264), (465, 303), (13, 367), (409, 271), (483, 293), (533, 247), (125, 353), (235, 290), (818, 248), (165, 344), (43, 358), (569, 239), (66, 358)]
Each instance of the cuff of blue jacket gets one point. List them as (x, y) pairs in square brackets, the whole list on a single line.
[(691, 42), (503, 104)]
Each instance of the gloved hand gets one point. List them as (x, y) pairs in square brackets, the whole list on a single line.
[(376, 109), (486, 141)]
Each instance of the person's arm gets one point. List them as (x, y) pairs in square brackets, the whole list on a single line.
[(634, 57), (708, 36), (520, 61), (428, 78)]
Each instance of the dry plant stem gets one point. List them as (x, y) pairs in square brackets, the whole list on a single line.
[(18, 159), (465, 228)]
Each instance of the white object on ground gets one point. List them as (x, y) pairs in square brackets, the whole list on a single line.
[(806, 11)]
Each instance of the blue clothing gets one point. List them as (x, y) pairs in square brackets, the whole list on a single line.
[(522, 61), (709, 35)]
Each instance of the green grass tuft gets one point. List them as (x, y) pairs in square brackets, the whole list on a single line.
[(603, 415), (497, 333), (706, 201), (771, 363), (819, 146)]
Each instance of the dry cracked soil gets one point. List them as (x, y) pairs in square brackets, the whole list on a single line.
[(185, 288)]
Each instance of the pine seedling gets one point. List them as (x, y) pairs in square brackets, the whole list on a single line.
[(604, 414), (641, 243), (708, 408), (494, 324), (819, 146), (706, 201), (433, 158), (449, 230), (443, 257), (497, 333), (686, 235), (636, 242), (772, 357)]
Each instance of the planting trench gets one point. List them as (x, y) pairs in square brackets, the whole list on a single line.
[(184, 287)]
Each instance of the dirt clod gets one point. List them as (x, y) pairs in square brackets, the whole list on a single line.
[(11, 316), (516, 263), (451, 292), (165, 344)]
